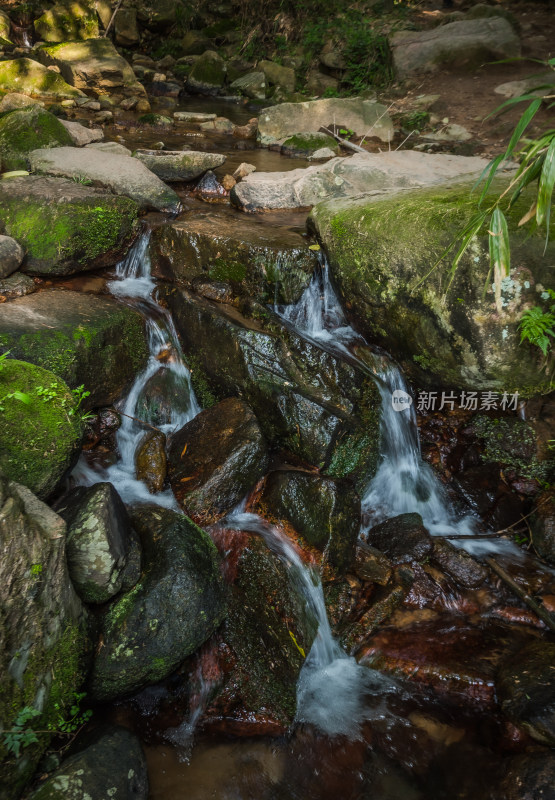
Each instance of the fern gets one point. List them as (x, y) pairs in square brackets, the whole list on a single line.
[(536, 326)]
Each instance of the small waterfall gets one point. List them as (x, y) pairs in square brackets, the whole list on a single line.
[(165, 378), (334, 693)]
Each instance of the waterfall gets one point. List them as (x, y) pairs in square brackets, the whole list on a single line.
[(166, 367)]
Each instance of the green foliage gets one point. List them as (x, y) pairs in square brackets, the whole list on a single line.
[(76, 718), (20, 736), (536, 326)]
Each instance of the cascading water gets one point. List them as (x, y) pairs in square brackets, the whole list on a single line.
[(165, 373)]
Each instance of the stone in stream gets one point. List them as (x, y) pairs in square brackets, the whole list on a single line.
[(465, 570), (372, 173), (121, 174), (459, 339), (150, 461), (25, 76), (164, 395), (210, 189), (176, 606), (11, 256), (80, 135), (526, 690), (40, 434), (43, 647), (176, 165), (402, 539), (103, 552), (312, 403), (193, 116), (306, 145), (64, 23), (108, 763), (27, 129), (326, 513), (215, 459), (83, 338), (207, 75), (264, 261), (363, 117)]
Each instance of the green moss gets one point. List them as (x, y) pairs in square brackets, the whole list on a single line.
[(205, 392), (154, 119), (29, 77), (308, 143), (222, 269), (27, 129), (512, 443), (208, 71)]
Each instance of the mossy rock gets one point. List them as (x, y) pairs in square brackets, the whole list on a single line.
[(84, 339), (25, 76), (65, 226), (27, 129), (304, 145), (40, 431), (67, 21), (207, 75), (444, 333)]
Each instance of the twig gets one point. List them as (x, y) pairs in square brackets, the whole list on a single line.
[(136, 419), (109, 25), (541, 612), (533, 511), (474, 536), (345, 142), (387, 110)]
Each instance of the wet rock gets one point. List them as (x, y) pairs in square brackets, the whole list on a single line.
[(526, 690), (120, 174), (16, 285), (459, 564), (85, 339), (81, 136), (305, 145), (28, 129), (11, 256), (360, 116), (215, 459), (278, 75), (64, 23), (103, 552), (247, 131), (165, 394), (341, 178), (472, 345), (402, 539), (305, 399), (210, 189), (150, 461), (26, 76), (39, 441), (207, 75), (543, 527), (252, 85), (174, 608), (382, 606), (528, 776), (64, 226), (324, 512), (111, 765), (219, 291), (371, 565), (43, 646), (466, 43), (266, 262), (177, 165)]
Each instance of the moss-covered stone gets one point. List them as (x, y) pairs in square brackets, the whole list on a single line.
[(67, 21), (207, 75), (304, 145), (443, 333), (84, 339), (25, 76), (512, 443), (27, 129), (40, 431)]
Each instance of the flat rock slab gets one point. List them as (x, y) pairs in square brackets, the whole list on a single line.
[(25, 76), (81, 135), (353, 175), (363, 117), (467, 43), (82, 338), (178, 165), (121, 174)]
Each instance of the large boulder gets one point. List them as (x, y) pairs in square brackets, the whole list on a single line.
[(216, 459), (121, 174), (178, 165), (207, 75), (103, 552), (25, 76), (306, 400), (43, 646), (466, 43), (11, 256), (65, 226), (174, 608), (92, 64), (353, 175), (67, 21), (40, 431), (28, 129), (111, 763), (265, 261), (363, 117), (445, 334), (278, 75), (85, 339)]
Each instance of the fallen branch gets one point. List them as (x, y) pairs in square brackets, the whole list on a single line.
[(345, 142), (541, 612), (142, 422), (112, 18), (475, 536)]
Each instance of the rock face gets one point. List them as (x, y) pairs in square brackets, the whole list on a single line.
[(40, 434), (64, 226), (28, 129), (306, 400), (64, 23), (174, 608), (111, 765), (343, 177), (43, 645), (216, 459), (85, 339), (460, 339), (467, 43), (103, 552), (324, 512), (178, 165), (363, 117), (263, 261), (11, 256), (122, 174), (25, 76), (93, 64)]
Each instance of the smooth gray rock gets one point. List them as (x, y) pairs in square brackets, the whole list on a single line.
[(178, 165), (110, 147), (11, 256), (81, 135)]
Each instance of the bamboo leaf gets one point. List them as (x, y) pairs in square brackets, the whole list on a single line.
[(490, 171), (528, 216), (545, 189), (522, 124), (512, 101), (499, 244)]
